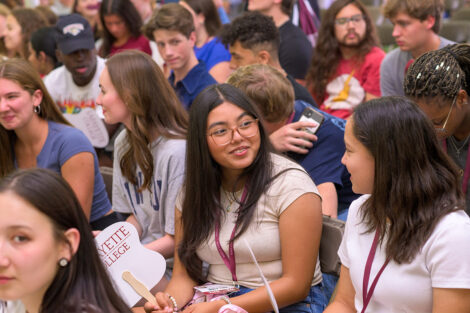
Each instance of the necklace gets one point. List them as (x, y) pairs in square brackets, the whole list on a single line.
[(232, 198), (454, 144)]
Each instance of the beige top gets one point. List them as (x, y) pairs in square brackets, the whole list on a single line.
[(263, 234)]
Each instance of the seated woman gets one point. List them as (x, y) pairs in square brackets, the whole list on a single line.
[(49, 261), (405, 240), (237, 190), (121, 28), (149, 153), (20, 24), (33, 133), (89, 9), (208, 47), (439, 82)]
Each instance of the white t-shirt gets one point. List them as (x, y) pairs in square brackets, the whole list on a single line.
[(70, 97), (12, 307), (78, 103), (444, 262), (263, 234)]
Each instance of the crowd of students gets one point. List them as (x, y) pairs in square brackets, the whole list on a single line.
[(203, 123)]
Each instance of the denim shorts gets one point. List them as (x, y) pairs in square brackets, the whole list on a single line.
[(315, 302)]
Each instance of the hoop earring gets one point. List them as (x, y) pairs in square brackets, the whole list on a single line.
[(63, 262), (37, 109)]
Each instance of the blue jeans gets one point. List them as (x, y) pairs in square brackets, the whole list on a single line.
[(315, 302)]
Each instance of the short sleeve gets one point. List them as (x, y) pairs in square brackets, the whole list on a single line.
[(73, 142), (120, 202), (351, 226), (447, 253), (291, 183)]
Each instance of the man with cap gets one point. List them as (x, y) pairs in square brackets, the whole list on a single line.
[(74, 86)]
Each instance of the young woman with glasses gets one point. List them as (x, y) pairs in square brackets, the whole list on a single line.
[(236, 190), (439, 82)]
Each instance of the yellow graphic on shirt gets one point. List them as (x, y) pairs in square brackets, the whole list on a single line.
[(344, 93)]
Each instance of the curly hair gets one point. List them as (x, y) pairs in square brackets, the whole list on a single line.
[(439, 73), (254, 31), (327, 54)]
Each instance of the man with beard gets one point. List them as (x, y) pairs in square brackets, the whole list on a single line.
[(415, 29), (345, 69)]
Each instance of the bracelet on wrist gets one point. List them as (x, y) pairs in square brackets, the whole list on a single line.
[(226, 299), (173, 301)]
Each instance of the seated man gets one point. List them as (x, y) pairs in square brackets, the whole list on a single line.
[(345, 68), (172, 28), (273, 94), (253, 38), (74, 86), (415, 28), (295, 51)]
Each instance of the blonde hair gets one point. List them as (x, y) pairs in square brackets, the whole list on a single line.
[(268, 88)]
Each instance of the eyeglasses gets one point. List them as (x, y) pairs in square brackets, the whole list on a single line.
[(223, 136), (343, 21), (442, 130)]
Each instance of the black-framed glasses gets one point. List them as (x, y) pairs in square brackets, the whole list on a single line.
[(223, 136), (442, 130), (343, 21)]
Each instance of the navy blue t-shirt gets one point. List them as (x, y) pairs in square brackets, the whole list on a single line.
[(192, 84), (323, 161)]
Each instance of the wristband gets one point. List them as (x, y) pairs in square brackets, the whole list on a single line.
[(226, 299), (173, 301)]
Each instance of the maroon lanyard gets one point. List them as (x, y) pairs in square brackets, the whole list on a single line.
[(466, 174), (230, 260), (367, 294)]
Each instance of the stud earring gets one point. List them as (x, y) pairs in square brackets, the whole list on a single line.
[(63, 262)]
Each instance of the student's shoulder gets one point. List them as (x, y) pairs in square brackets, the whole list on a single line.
[(394, 57)]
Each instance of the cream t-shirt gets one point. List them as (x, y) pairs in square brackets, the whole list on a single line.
[(263, 234)]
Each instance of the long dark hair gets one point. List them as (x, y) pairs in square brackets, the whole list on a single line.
[(415, 182), (154, 108), (83, 285), (201, 205), (327, 52), (127, 11), (207, 8)]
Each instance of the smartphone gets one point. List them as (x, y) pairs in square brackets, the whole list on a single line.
[(311, 115)]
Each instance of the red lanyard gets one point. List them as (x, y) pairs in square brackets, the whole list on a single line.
[(466, 174), (230, 260), (367, 294)]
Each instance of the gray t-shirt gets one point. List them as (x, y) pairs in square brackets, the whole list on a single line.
[(154, 209), (392, 70), (460, 159)]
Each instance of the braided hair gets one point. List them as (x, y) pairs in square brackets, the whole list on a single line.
[(442, 72)]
